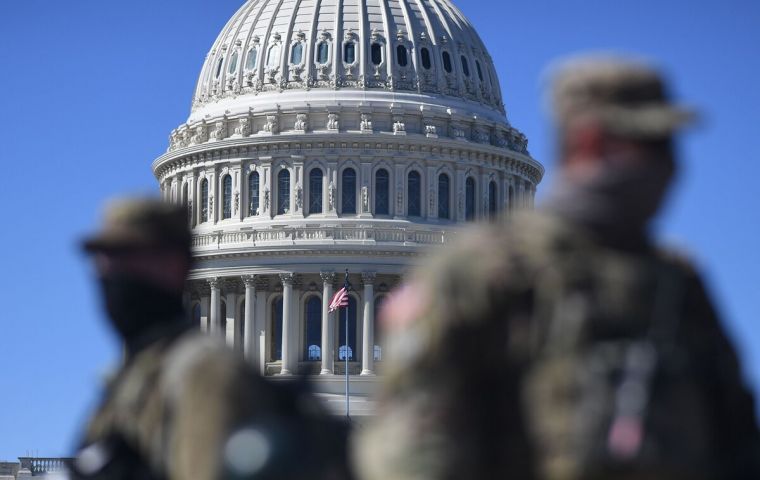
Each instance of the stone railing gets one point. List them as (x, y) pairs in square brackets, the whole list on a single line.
[(42, 465), (319, 235)]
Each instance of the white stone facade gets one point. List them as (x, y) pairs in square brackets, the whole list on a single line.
[(332, 135)]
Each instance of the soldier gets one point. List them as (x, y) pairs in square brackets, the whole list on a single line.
[(562, 344), (183, 405)]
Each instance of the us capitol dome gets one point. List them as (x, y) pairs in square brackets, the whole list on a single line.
[(327, 135)]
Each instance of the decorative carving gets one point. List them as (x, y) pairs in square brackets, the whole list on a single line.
[(237, 201), (461, 202), (457, 131), (215, 283), (287, 278), (399, 128), (365, 199), (431, 196), (201, 133), (327, 277), (368, 278), (332, 121), (220, 130), (249, 281), (366, 123), (271, 125), (299, 197), (266, 198), (211, 206), (400, 200), (430, 131), (331, 195), (244, 127), (301, 122)]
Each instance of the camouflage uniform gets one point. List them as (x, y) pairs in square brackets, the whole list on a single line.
[(513, 353), (184, 405)]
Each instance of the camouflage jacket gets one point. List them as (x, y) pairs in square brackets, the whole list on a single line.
[(171, 407), (484, 362)]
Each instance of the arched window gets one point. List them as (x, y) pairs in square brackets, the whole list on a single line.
[(253, 194), (323, 53), (492, 199), (296, 54), (348, 191), (425, 56), (444, 192), (250, 59), (378, 333), (344, 347), (465, 67), (446, 62), (196, 315), (315, 191), (413, 186), (376, 51), (349, 53), (219, 67), (233, 63), (469, 199), (204, 200), (274, 56), (241, 326), (382, 185), (227, 197), (401, 56), (480, 71), (223, 319), (313, 326), (275, 337), (511, 198), (283, 192)]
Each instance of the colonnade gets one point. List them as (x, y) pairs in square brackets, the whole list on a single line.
[(245, 318)]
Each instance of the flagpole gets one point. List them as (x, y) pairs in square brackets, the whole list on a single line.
[(348, 416)]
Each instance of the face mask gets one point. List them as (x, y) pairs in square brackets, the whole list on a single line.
[(134, 305), (622, 196)]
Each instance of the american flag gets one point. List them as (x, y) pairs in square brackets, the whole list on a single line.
[(340, 299)]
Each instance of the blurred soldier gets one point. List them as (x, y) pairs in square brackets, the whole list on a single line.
[(183, 405), (562, 344)]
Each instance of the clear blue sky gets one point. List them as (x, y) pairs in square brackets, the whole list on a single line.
[(92, 88)]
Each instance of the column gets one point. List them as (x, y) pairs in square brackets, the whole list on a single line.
[(261, 321), (205, 303), (368, 334), (328, 278), (232, 334), (216, 304), (287, 322), (249, 327)]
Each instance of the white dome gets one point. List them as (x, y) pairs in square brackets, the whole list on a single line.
[(292, 51), (304, 156)]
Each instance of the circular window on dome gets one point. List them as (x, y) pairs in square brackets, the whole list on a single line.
[(401, 56), (323, 53), (250, 59), (446, 62), (296, 54), (425, 56), (376, 52), (349, 53), (233, 63), (219, 67)]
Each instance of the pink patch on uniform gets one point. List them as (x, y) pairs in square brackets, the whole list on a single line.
[(403, 306), (625, 438)]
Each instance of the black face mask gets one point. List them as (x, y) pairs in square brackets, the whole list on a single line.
[(135, 306)]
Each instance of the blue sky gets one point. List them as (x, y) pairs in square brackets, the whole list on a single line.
[(91, 90)]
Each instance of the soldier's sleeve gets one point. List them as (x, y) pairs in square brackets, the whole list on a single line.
[(734, 421), (210, 392), (443, 378)]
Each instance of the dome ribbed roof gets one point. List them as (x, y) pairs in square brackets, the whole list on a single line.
[(275, 51)]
